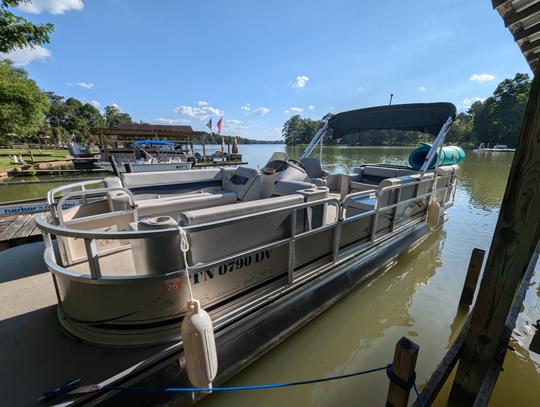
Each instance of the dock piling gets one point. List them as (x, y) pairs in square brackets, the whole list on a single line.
[(471, 280), (403, 366)]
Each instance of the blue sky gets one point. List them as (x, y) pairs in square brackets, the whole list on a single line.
[(256, 63)]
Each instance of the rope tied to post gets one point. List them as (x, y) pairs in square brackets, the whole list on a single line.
[(406, 385), (389, 371)]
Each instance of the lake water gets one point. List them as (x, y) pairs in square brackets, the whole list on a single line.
[(417, 298)]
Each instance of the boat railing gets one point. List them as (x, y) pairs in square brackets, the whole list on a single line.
[(91, 236), (59, 191)]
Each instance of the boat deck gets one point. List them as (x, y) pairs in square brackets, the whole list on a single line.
[(37, 355)]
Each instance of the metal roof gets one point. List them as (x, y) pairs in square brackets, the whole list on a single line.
[(522, 18)]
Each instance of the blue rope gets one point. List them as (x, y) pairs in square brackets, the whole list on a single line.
[(240, 388), (407, 385)]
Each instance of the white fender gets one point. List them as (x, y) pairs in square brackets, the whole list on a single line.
[(199, 346), (433, 213)]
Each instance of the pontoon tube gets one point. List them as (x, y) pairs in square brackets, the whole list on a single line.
[(450, 155)]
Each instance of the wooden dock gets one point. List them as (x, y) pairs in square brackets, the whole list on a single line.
[(18, 229)]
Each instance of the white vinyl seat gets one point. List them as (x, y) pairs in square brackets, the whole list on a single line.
[(223, 240), (314, 170), (175, 206)]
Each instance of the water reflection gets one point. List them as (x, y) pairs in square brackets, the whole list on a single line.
[(352, 335), (484, 177)]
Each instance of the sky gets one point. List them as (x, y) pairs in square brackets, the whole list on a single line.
[(256, 63)]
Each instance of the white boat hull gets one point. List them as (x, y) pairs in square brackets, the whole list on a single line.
[(148, 167)]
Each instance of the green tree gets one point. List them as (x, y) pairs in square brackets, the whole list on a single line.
[(297, 130), (114, 116), (17, 32), (498, 119), (22, 102)]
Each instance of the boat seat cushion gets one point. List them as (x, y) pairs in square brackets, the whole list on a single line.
[(227, 239), (175, 206), (245, 182)]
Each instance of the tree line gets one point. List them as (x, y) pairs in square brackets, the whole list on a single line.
[(27, 112), (495, 120)]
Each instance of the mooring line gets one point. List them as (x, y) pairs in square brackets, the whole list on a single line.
[(411, 384), (406, 385)]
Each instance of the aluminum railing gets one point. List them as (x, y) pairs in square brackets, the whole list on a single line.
[(93, 256)]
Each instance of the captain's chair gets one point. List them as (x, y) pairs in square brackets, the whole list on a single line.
[(314, 170)]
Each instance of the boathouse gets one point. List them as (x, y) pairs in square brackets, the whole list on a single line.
[(116, 137)]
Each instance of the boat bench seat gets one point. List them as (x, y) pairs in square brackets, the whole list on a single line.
[(366, 203), (175, 206), (222, 240), (370, 177)]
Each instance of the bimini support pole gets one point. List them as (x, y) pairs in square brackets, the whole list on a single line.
[(434, 208), (318, 137), (439, 140)]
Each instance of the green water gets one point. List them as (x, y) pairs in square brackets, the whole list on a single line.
[(417, 298)]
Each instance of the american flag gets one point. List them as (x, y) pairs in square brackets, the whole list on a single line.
[(219, 125), (209, 124)]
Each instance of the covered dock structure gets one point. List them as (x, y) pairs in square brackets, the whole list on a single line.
[(116, 137)]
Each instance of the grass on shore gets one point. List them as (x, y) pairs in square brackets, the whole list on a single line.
[(5, 159)]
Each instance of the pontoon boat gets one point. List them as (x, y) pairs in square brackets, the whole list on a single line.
[(269, 249)]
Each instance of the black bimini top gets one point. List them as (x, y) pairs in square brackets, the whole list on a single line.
[(423, 117)]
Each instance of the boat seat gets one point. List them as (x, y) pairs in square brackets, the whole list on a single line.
[(314, 170), (174, 206), (371, 177), (227, 239), (245, 182)]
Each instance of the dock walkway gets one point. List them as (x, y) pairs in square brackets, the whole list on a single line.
[(18, 229)]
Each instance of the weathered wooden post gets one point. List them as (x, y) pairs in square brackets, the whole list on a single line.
[(404, 365), (473, 272), (514, 241)]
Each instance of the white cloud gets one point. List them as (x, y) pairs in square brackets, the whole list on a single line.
[(164, 120), (235, 126), (261, 111), (202, 103), (311, 107), (85, 85), (422, 88), (96, 104), (467, 103), (300, 81), (483, 77), (23, 56), (201, 112), (51, 6), (293, 109)]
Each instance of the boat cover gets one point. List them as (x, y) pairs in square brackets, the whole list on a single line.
[(153, 142), (423, 117)]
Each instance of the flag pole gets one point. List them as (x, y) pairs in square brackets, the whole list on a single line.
[(203, 147)]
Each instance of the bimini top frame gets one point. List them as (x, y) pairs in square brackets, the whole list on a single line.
[(430, 118)]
